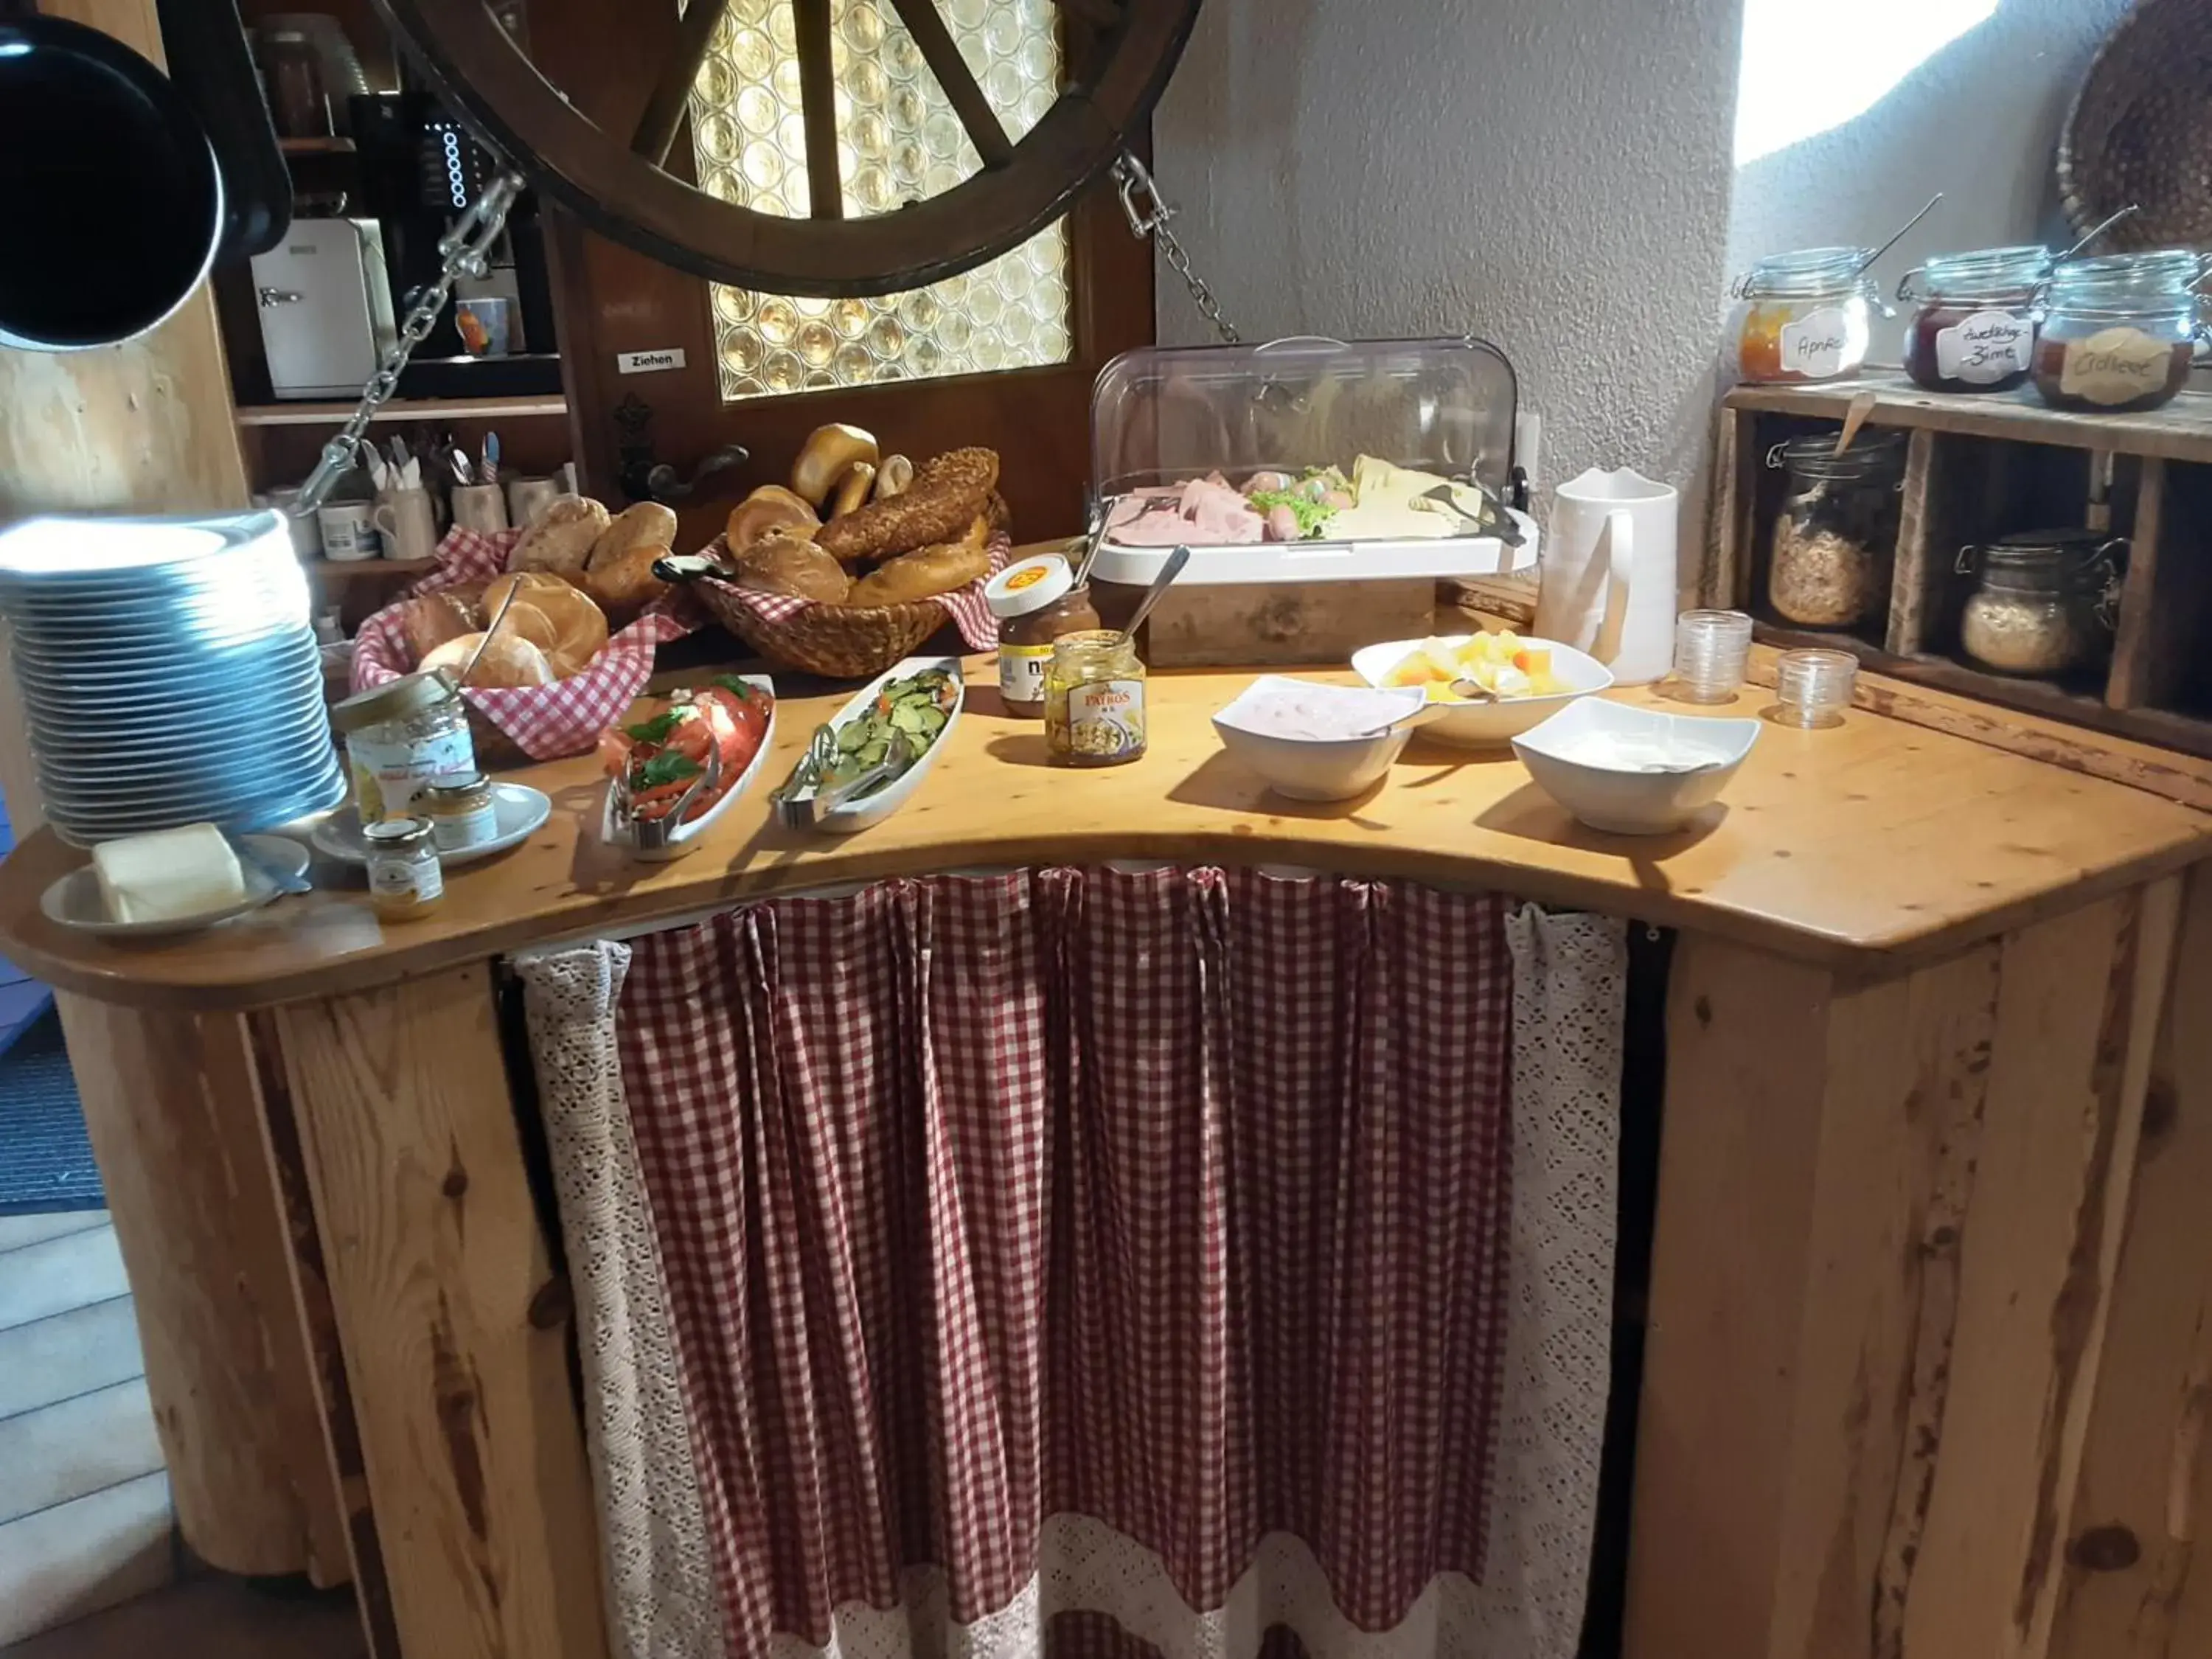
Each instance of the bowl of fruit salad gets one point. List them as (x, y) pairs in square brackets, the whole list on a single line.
[(1519, 682)]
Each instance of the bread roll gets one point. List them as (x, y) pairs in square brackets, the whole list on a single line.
[(765, 512), (432, 619), (647, 524), (787, 564), (507, 660), (527, 622), (580, 627), (624, 586), (560, 540), (825, 457), (927, 572)]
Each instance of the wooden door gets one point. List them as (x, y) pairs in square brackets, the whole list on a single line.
[(613, 301)]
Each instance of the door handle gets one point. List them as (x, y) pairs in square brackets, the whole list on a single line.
[(663, 483), (278, 296)]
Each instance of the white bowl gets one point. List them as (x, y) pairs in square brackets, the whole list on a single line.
[(1633, 771), (875, 809), (1488, 725), (1314, 769)]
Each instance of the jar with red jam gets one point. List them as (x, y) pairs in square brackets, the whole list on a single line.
[(1975, 318), (2120, 332), (1804, 316)]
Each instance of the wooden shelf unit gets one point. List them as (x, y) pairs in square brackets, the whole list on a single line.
[(1978, 468), (404, 409)]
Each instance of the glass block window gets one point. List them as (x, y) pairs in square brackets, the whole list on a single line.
[(897, 140)]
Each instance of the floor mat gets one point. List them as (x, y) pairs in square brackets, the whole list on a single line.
[(45, 1162)]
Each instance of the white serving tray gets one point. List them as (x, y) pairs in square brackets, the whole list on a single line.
[(684, 836), (1243, 563), (860, 814)]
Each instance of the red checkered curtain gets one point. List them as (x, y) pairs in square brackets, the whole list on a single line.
[(1061, 1262)]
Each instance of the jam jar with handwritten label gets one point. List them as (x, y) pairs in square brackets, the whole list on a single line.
[(2118, 332), (1805, 316), (1974, 328)]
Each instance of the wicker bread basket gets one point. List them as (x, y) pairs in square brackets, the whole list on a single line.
[(840, 643), (2141, 130)]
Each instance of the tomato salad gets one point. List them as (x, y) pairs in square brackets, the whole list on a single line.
[(662, 755)]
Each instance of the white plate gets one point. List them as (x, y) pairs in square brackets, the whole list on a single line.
[(1487, 724), (521, 811), (860, 814), (685, 836), (74, 902)]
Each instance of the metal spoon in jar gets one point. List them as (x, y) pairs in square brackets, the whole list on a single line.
[(1169, 570), (2127, 212), (1868, 262)]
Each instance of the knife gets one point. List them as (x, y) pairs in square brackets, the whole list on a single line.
[(277, 877)]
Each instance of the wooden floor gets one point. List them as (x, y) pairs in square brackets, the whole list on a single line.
[(84, 1502), (210, 1617)]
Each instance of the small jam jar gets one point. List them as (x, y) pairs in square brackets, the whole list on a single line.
[(462, 812), (2118, 332), (400, 735), (1805, 316), (1094, 699), (404, 878), (1973, 329), (1037, 602)]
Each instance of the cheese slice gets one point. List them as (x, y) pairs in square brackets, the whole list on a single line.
[(168, 875)]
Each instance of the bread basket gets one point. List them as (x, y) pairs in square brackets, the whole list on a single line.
[(2141, 130), (837, 641)]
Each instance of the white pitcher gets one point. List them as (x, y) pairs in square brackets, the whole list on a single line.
[(1608, 586)]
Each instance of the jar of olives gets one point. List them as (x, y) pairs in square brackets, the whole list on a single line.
[(1094, 699)]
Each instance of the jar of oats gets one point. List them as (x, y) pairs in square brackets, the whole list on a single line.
[(2042, 604), (1094, 699), (1835, 536)]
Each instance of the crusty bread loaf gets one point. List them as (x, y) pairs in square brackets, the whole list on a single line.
[(947, 492), (768, 510), (625, 584), (560, 540), (432, 619), (927, 571), (789, 564), (647, 524), (507, 660), (580, 626)]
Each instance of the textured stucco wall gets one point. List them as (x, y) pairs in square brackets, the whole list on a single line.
[(1980, 121), (1552, 175)]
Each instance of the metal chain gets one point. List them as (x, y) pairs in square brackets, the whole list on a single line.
[(1148, 216), (464, 251)]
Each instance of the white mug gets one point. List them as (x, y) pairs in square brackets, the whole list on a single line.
[(407, 523), (480, 508), (528, 497), (1607, 582), (305, 533), (349, 530)]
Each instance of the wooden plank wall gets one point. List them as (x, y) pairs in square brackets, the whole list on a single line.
[(1931, 1348)]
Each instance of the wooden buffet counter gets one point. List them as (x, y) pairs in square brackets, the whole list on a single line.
[(1926, 1366)]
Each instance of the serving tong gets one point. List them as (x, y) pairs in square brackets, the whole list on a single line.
[(801, 803)]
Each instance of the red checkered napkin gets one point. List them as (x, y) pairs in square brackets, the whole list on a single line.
[(546, 721), (969, 611)]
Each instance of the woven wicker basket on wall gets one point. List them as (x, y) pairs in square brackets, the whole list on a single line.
[(837, 641), (2141, 130)]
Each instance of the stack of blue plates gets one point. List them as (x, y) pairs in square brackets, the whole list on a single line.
[(169, 671)]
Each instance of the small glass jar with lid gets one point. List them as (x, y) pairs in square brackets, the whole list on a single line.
[(1037, 602), (400, 735), (1805, 316), (2120, 332), (462, 812), (1974, 318), (1835, 535), (1094, 699), (405, 879), (2042, 604)]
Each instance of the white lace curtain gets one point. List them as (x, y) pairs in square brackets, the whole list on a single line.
[(1062, 1261)]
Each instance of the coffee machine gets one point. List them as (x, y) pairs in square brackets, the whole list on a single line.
[(418, 169)]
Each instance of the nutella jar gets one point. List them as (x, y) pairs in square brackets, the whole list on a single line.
[(1036, 601)]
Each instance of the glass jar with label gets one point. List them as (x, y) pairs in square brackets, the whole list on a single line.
[(399, 736), (2118, 332), (1974, 328), (405, 879), (2044, 605), (1094, 699), (463, 813), (1037, 602), (1805, 316), (1835, 535)]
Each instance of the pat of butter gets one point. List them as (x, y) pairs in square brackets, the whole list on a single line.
[(168, 875)]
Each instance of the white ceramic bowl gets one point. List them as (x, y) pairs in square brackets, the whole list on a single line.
[(1633, 771), (1314, 769), (875, 808), (1491, 725)]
